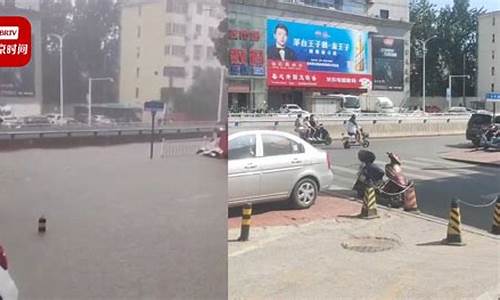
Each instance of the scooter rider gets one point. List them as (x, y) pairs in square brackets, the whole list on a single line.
[(314, 127), (353, 128)]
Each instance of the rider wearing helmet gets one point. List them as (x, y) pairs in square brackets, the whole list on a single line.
[(353, 128)]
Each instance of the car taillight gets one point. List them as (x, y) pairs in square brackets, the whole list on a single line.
[(3, 259), (328, 162)]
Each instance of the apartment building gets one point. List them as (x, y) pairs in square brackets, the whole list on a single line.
[(164, 43)]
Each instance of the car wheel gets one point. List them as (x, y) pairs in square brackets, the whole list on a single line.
[(304, 194)]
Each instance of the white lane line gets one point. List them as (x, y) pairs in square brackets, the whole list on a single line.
[(412, 175), (346, 170), (478, 169), (429, 165)]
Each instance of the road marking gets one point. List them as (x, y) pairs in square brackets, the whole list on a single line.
[(442, 161), (478, 169), (429, 165)]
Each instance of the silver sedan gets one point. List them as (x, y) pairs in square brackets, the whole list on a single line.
[(268, 165)]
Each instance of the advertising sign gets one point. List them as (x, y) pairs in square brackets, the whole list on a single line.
[(18, 82), (308, 55), (388, 63), (15, 41), (493, 97), (246, 53)]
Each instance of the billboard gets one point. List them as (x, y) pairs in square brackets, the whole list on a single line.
[(308, 55), (18, 82), (246, 49), (388, 63)]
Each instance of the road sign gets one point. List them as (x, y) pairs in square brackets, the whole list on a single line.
[(154, 106), (493, 97)]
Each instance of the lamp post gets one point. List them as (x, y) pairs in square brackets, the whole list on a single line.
[(61, 91), (449, 86), (424, 46), (90, 95)]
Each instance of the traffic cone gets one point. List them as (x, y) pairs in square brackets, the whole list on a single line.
[(410, 200), (42, 225), (245, 223), (369, 209), (454, 236), (495, 229)]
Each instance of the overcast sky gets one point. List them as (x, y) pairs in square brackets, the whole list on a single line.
[(489, 5)]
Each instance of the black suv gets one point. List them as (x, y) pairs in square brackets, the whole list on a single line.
[(476, 124)]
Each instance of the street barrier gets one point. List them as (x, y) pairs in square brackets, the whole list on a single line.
[(245, 223), (42, 225), (495, 228), (454, 235), (369, 208)]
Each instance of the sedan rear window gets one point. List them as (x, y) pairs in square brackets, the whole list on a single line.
[(242, 147), (279, 145)]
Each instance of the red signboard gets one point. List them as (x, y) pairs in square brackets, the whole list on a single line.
[(15, 41), (296, 74)]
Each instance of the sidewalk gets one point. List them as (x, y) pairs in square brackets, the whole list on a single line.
[(397, 256), (474, 156)]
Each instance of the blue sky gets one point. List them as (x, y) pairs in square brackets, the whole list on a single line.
[(489, 5)]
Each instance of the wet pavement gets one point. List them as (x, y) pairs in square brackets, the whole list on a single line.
[(119, 226)]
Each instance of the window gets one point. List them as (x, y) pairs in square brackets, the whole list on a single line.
[(136, 92), (492, 71), (176, 6), (213, 12), (493, 38), (384, 14), (138, 31), (178, 50), (139, 10), (137, 70), (175, 29), (199, 8), (278, 145), (210, 53), (198, 29), (167, 50), (242, 147), (174, 71), (198, 49)]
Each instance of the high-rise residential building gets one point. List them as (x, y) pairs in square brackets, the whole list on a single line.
[(164, 43), (489, 55)]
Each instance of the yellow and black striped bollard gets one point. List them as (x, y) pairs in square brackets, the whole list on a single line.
[(495, 229), (245, 222), (454, 235), (369, 209)]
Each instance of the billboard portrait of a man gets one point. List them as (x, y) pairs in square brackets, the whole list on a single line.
[(280, 51)]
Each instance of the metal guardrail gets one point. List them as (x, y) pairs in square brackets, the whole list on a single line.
[(242, 116), (116, 130)]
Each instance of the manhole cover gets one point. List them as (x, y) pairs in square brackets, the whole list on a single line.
[(370, 244)]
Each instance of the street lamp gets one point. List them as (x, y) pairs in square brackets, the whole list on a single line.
[(61, 92), (449, 87), (90, 95), (424, 46)]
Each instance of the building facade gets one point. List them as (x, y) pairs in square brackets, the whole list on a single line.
[(348, 47), (21, 88), (164, 43), (489, 55)]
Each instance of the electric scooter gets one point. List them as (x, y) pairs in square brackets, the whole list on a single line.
[(349, 140)]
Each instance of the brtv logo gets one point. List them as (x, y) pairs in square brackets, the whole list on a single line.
[(15, 41)]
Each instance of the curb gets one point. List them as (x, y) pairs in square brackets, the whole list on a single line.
[(421, 215), (495, 165)]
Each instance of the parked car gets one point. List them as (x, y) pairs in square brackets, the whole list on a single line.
[(102, 120), (54, 118), (290, 108), (9, 122), (460, 110), (35, 121), (8, 289), (268, 165), (477, 123)]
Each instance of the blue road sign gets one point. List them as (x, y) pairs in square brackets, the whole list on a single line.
[(493, 97), (154, 106)]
